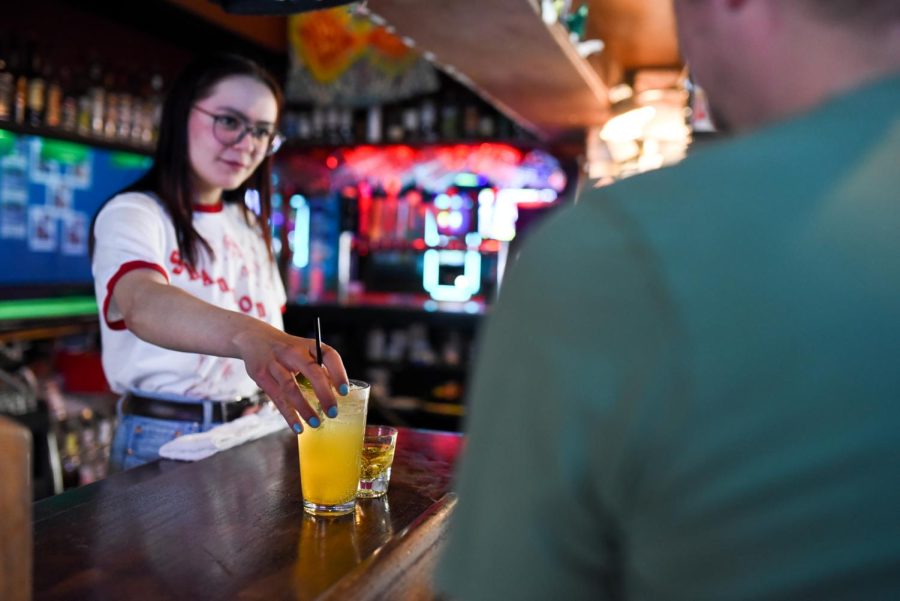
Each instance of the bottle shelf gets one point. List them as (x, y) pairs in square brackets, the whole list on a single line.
[(503, 49), (71, 136)]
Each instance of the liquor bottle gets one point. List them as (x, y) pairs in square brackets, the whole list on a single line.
[(487, 127), (318, 124), (360, 118), (35, 104), (333, 125), (576, 21), (19, 68), (7, 82), (104, 441), (140, 112), (389, 217), (562, 9), (470, 120), (346, 126), (410, 118), (304, 126), (450, 116), (96, 97), (125, 116), (156, 105), (53, 109), (393, 123), (349, 215), (68, 119), (374, 118), (71, 455), (111, 106), (428, 119), (89, 449), (82, 92)]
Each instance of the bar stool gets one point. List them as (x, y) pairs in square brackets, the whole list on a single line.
[(15, 507)]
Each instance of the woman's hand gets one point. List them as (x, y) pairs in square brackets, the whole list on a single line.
[(273, 359)]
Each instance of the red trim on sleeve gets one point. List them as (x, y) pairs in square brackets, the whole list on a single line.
[(283, 309), (216, 208), (123, 269)]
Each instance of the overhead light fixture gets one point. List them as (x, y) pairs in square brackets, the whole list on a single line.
[(648, 128), (628, 125), (620, 93)]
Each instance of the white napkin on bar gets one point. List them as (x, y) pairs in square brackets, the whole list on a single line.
[(193, 447)]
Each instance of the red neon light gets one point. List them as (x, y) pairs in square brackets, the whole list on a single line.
[(434, 167), (490, 246), (413, 197)]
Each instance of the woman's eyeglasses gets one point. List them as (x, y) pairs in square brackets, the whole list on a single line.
[(230, 130)]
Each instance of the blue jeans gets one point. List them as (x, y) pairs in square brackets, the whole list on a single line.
[(138, 438)]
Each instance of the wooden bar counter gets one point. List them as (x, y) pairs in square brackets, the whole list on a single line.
[(232, 527)]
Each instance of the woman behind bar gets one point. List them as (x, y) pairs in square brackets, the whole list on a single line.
[(189, 294)]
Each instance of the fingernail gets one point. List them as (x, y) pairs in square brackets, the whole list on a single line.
[(332, 412), (343, 389), (313, 422), (298, 428)]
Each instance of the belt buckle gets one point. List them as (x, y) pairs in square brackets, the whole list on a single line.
[(254, 400), (234, 410)]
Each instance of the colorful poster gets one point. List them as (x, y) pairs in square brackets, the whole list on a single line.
[(49, 192), (340, 58)]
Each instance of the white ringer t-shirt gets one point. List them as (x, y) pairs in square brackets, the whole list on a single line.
[(134, 231)]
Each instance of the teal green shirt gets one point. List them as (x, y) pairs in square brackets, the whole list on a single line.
[(690, 386)]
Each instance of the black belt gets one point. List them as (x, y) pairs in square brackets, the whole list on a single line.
[(222, 411)]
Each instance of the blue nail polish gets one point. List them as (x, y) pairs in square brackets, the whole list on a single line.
[(298, 428), (343, 389), (313, 422), (332, 412)]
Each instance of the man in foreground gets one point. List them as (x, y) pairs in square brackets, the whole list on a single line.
[(690, 387)]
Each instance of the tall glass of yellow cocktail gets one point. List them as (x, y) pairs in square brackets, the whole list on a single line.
[(330, 455)]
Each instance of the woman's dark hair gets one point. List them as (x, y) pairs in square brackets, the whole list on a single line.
[(170, 176)]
